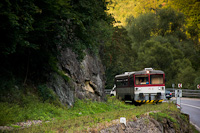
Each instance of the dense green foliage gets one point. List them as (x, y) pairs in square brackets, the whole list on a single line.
[(162, 44), (160, 38), (118, 57), (192, 12), (123, 9), (34, 32)]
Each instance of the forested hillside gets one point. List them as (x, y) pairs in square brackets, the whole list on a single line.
[(33, 30), (55, 52), (160, 34), (34, 33), (163, 34)]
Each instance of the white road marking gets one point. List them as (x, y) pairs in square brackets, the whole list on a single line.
[(190, 105), (195, 126)]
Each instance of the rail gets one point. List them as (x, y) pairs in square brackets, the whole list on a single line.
[(186, 92), (107, 91)]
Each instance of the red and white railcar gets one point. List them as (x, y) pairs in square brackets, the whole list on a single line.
[(146, 86)]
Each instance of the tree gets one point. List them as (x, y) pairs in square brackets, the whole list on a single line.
[(123, 9), (162, 44), (33, 33), (192, 12), (118, 56), (170, 22), (186, 76), (141, 29), (154, 54)]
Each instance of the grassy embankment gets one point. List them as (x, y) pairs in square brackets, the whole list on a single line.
[(84, 115)]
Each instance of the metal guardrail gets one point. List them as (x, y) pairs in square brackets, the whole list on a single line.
[(107, 91), (185, 92)]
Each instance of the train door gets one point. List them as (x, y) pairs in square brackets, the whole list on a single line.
[(122, 87), (131, 85)]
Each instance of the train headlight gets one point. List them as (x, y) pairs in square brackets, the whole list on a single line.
[(159, 88), (137, 89)]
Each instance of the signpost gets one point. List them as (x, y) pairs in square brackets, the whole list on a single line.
[(173, 85), (178, 94)]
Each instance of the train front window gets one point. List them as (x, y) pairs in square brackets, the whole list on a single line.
[(156, 79), (141, 79)]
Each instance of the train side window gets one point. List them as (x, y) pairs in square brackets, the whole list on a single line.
[(122, 82)]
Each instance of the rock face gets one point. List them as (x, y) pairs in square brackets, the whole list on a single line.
[(142, 125), (86, 78), (147, 124)]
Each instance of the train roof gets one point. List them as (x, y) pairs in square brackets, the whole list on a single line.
[(151, 71)]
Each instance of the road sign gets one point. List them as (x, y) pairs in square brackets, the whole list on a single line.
[(180, 85), (173, 85), (178, 93), (198, 86)]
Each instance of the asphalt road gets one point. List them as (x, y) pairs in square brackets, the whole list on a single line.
[(192, 107)]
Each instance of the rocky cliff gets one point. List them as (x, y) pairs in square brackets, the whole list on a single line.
[(85, 79), (147, 124)]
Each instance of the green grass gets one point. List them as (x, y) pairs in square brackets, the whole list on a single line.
[(159, 116), (33, 109), (76, 122), (85, 114), (12, 113)]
